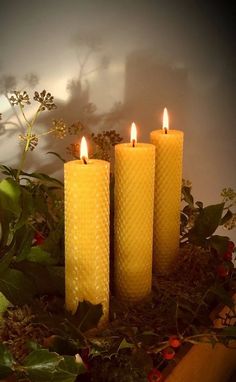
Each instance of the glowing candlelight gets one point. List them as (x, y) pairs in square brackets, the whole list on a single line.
[(84, 150), (165, 125), (133, 134)]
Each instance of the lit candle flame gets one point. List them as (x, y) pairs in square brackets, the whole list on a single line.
[(133, 134), (84, 150), (165, 125)]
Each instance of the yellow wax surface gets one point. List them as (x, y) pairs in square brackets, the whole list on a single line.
[(168, 181), (87, 233), (134, 202)]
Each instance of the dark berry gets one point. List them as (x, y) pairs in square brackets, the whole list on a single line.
[(155, 376), (222, 270), (228, 256), (174, 341), (168, 353), (38, 238), (231, 246)]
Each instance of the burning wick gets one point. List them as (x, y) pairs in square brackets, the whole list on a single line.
[(84, 151), (133, 134), (84, 160), (165, 121)]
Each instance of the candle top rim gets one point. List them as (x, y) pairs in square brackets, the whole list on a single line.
[(170, 132), (138, 145), (90, 163)]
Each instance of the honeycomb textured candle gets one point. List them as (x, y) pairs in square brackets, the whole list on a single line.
[(87, 233), (168, 180), (134, 202)]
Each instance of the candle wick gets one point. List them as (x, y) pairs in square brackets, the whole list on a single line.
[(133, 142), (165, 129), (84, 160)]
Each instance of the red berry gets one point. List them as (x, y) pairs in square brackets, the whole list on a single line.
[(174, 341), (228, 256), (38, 238), (231, 246), (168, 353), (155, 376), (222, 270)]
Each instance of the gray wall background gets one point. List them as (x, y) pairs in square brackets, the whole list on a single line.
[(129, 59)]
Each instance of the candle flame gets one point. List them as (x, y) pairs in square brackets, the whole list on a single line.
[(133, 134), (83, 149), (165, 120)]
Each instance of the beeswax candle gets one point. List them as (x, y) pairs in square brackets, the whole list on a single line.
[(168, 180), (87, 232), (134, 201)]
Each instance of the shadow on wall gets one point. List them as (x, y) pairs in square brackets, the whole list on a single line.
[(150, 85)]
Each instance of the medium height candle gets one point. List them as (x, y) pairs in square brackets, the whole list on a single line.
[(87, 232), (168, 180), (134, 202)]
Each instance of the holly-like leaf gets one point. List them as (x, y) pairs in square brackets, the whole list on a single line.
[(125, 345), (206, 223), (16, 287), (88, 315), (6, 362), (10, 196), (219, 243)]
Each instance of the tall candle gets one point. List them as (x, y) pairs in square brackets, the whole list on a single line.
[(87, 232), (168, 180), (134, 201)]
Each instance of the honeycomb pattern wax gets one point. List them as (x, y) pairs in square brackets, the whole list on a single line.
[(87, 233), (134, 203), (168, 180)]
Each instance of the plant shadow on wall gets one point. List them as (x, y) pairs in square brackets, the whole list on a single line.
[(41, 341)]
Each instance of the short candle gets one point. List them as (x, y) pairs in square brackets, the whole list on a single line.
[(87, 231)]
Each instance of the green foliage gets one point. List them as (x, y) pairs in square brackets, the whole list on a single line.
[(41, 365)]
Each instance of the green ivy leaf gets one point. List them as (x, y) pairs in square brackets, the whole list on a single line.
[(40, 364), (38, 255), (10, 192), (88, 315), (206, 223), (26, 202), (219, 243), (68, 370), (6, 362), (16, 287), (46, 279)]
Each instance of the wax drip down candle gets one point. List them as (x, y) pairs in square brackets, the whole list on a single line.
[(134, 203), (168, 180), (87, 231)]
